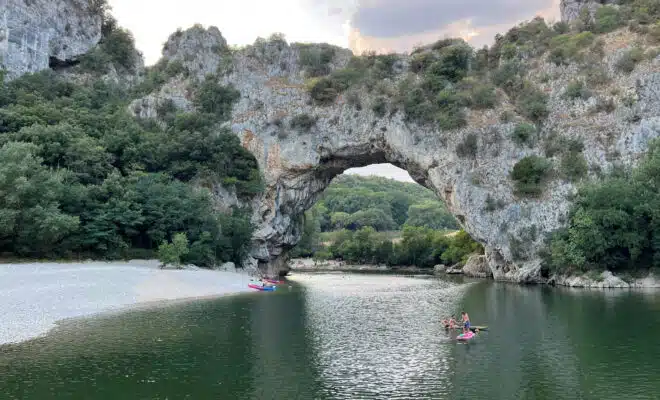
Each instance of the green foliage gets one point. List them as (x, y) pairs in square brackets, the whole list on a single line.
[(573, 165), (172, 253), (493, 205), (607, 19), (576, 89), (569, 47), (629, 60), (509, 76), (213, 98), (530, 174), (31, 218), (111, 186), (354, 202), (419, 246), (469, 147), (532, 103), (523, 134), (117, 47), (613, 224), (483, 97), (379, 106), (303, 122), (316, 59), (430, 214)]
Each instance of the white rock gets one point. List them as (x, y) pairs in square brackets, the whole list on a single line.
[(31, 32)]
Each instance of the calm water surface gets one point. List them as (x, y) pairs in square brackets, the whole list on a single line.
[(351, 336)]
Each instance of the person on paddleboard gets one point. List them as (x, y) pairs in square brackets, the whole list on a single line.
[(466, 321)]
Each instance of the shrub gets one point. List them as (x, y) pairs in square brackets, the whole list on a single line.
[(469, 147), (629, 60), (354, 100), (303, 122), (532, 103), (119, 46), (215, 99), (567, 47), (172, 253), (576, 89), (597, 75), (483, 97), (420, 62), (316, 59), (573, 165), (523, 133), (529, 175), (492, 204), (607, 19), (379, 106), (509, 76), (603, 104)]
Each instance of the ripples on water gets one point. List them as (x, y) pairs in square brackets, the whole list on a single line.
[(348, 336), (380, 337)]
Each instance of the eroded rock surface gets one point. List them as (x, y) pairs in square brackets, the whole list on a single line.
[(571, 9), (37, 33)]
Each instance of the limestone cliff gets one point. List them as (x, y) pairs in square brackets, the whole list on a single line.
[(37, 33), (299, 163), (571, 9)]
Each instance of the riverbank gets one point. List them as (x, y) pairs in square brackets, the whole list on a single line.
[(35, 296), (309, 265), (476, 267)]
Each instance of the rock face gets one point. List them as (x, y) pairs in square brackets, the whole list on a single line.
[(477, 267), (571, 9), (299, 164), (36, 33)]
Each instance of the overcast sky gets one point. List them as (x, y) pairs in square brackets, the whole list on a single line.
[(381, 25)]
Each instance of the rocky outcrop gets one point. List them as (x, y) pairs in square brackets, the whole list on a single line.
[(298, 164), (477, 267), (36, 34), (606, 280), (570, 9)]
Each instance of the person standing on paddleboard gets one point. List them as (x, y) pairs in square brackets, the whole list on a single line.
[(466, 322)]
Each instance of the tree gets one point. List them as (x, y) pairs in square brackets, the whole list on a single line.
[(172, 253), (31, 220)]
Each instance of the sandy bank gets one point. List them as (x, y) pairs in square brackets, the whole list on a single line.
[(33, 297)]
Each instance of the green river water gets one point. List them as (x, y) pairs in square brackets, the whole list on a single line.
[(351, 336)]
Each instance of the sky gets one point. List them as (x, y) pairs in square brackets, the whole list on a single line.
[(361, 25)]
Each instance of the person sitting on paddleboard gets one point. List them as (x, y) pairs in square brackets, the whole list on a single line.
[(466, 322)]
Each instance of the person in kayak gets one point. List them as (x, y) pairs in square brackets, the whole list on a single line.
[(466, 321)]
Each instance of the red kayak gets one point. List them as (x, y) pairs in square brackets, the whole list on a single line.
[(262, 288), (274, 282)]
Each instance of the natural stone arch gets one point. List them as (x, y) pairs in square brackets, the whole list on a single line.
[(298, 163)]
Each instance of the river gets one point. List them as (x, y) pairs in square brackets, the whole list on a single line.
[(352, 336)]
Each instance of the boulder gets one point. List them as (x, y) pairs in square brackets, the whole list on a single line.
[(477, 267)]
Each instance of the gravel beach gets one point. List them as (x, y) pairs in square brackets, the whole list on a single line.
[(33, 297)]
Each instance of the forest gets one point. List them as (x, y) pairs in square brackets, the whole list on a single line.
[(379, 220), (82, 178)]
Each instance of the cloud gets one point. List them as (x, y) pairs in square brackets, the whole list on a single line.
[(397, 25), (392, 18)]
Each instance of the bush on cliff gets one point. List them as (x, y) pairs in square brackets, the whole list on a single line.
[(613, 224), (530, 174)]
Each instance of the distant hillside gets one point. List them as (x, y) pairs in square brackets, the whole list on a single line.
[(353, 202)]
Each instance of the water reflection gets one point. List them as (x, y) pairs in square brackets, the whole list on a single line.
[(353, 337)]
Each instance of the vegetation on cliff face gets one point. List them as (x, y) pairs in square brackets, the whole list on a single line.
[(80, 177), (614, 223), (353, 219)]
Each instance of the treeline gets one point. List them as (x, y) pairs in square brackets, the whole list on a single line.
[(352, 221), (80, 177), (613, 224), (353, 202), (419, 246)]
